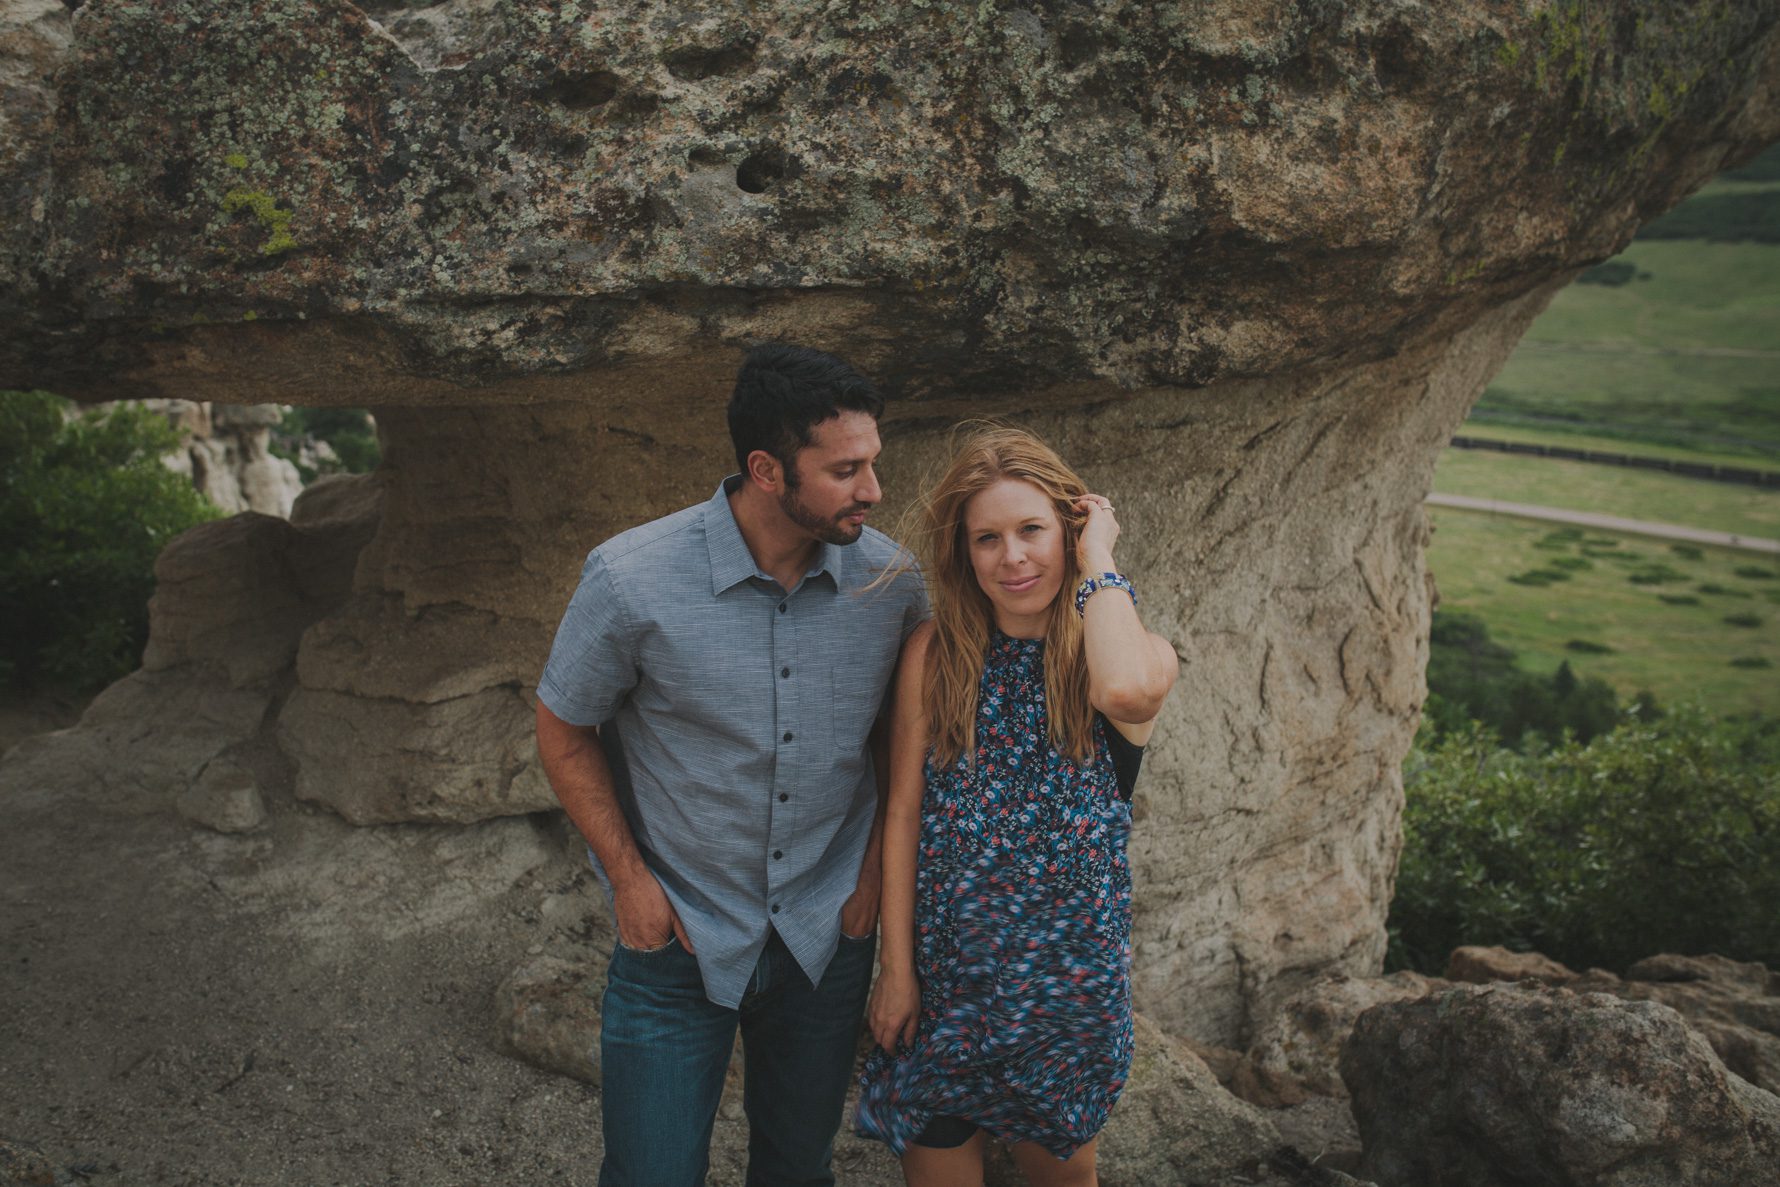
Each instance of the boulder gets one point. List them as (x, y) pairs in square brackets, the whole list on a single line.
[(1478, 964), (1499, 1086), (1176, 1124), (547, 1013), (1734, 1005), (225, 797), (381, 761), (1301, 1045)]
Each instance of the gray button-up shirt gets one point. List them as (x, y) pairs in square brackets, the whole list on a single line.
[(743, 713)]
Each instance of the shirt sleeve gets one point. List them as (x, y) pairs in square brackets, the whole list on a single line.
[(916, 611), (592, 665)]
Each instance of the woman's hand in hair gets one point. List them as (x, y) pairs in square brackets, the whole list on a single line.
[(1095, 538)]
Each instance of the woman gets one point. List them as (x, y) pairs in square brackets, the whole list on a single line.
[(1003, 999)]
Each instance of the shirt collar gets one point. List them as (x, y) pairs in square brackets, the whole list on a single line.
[(732, 563)]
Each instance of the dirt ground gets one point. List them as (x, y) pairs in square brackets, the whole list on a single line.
[(310, 1004)]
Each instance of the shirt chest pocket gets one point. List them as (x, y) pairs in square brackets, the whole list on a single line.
[(858, 685)]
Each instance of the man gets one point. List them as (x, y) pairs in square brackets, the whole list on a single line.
[(738, 652)]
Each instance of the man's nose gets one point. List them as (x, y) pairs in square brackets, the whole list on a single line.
[(869, 491)]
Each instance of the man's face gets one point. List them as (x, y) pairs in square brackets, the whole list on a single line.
[(832, 483)]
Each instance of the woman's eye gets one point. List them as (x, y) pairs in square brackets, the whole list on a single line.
[(987, 539)]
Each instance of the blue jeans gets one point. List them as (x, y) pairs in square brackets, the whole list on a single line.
[(664, 1047)]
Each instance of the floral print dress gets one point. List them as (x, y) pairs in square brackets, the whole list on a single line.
[(1022, 934)]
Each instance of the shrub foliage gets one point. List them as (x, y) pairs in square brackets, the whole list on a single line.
[(85, 506), (1471, 677), (1660, 836)]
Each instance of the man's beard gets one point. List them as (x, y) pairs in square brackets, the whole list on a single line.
[(829, 531)]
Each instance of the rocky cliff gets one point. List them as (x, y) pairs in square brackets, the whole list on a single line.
[(1247, 262)]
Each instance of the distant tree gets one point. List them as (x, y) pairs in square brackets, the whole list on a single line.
[(1473, 678), (85, 506)]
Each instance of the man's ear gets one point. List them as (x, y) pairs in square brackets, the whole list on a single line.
[(766, 471)]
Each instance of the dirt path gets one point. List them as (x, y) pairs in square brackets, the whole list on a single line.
[(1609, 523)]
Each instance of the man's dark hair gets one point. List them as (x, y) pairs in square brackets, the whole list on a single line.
[(783, 392)]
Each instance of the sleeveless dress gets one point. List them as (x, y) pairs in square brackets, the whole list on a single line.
[(1022, 934)]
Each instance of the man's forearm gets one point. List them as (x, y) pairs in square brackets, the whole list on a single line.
[(575, 763)]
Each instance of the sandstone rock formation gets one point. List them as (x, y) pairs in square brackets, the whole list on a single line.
[(1498, 1085), (1247, 262), (224, 624), (227, 455)]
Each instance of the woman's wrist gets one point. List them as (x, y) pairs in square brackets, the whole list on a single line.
[(1097, 560)]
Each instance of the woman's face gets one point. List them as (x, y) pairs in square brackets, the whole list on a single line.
[(1016, 548)]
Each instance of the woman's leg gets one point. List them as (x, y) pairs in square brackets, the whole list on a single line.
[(953, 1166), (1044, 1169)]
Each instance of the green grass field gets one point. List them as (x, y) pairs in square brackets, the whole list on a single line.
[(1610, 490), (1576, 595), (1687, 357), (1679, 359)]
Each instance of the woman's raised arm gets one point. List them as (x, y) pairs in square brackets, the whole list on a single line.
[(1130, 670)]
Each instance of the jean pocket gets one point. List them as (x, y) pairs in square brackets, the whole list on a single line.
[(672, 940)]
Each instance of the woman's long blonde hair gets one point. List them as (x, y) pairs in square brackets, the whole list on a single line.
[(962, 615)]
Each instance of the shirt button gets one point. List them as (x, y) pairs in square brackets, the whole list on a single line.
[(781, 607), (775, 908), (784, 672), (783, 797), (777, 854), (787, 735)]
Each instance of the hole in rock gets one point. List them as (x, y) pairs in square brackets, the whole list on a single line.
[(690, 63), (578, 92), (763, 170)]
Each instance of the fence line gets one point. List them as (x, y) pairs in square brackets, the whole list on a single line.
[(1737, 474)]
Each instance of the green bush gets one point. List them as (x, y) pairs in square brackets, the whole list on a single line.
[(1659, 836), (1743, 619), (85, 506), (1755, 572), (349, 431)]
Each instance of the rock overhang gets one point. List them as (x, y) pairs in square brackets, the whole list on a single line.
[(479, 201)]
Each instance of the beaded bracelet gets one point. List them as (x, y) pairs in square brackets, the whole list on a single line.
[(1093, 585)]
